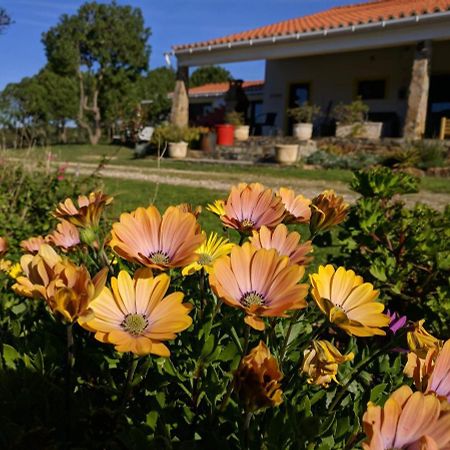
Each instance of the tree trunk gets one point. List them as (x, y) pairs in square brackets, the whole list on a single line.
[(63, 132), (94, 131)]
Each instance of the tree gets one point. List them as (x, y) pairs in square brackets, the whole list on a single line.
[(61, 94), (23, 110), (155, 88), (209, 74), (99, 45), (5, 20)]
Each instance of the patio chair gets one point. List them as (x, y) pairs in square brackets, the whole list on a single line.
[(445, 128)]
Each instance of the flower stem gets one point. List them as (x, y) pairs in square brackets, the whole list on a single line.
[(294, 319), (70, 362), (231, 384), (202, 293), (128, 387)]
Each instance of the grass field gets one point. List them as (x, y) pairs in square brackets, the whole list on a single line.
[(123, 156)]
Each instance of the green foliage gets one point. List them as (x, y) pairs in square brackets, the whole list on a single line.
[(27, 200), (403, 252), (235, 118), (170, 133), (209, 74), (383, 183), (329, 160), (352, 113), (305, 113)]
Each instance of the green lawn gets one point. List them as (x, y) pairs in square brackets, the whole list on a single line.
[(115, 155)]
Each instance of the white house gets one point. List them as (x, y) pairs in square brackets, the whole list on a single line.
[(395, 54)]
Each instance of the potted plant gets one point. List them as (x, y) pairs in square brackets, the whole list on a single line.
[(351, 121), (174, 138), (241, 131), (303, 117), (286, 153)]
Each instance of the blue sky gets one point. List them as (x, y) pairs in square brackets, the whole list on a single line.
[(171, 21)]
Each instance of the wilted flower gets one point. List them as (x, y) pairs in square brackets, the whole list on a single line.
[(88, 212), (258, 380), (298, 206), (285, 243), (397, 322), (38, 271), (321, 362), (66, 236), (3, 246), (260, 282), (250, 206), (407, 421), (136, 316), (420, 340), (158, 242), (32, 244), (189, 208), (208, 253), (217, 208), (420, 369), (68, 289), (327, 210), (348, 302)]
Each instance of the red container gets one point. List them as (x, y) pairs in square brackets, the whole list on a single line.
[(225, 134)]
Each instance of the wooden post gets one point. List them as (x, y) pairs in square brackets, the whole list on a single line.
[(416, 114), (179, 114)]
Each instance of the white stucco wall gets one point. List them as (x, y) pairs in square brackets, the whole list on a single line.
[(333, 78)]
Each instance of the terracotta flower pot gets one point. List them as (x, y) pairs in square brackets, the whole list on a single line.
[(178, 150), (286, 153), (241, 132), (303, 131)]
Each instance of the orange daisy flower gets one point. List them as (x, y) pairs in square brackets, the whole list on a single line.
[(250, 206), (136, 316), (285, 243), (439, 381), (3, 246), (327, 210), (260, 282), (32, 244), (87, 213), (407, 421), (298, 206), (258, 380), (158, 242), (66, 236)]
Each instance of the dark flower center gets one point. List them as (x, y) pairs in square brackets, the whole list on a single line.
[(205, 259), (159, 257), (247, 223), (252, 298), (135, 324)]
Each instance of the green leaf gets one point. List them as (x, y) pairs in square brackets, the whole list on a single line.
[(376, 392), (10, 355)]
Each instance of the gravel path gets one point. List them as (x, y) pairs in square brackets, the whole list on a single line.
[(221, 181)]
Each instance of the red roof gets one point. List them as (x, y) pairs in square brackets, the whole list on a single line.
[(221, 88), (341, 16)]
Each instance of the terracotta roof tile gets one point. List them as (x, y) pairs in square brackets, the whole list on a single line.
[(340, 16), (221, 88)]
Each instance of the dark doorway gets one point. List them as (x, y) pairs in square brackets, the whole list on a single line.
[(299, 94), (438, 103)]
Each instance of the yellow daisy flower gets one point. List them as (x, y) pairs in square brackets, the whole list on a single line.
[(348, 302), (211, 249), (217, 208)]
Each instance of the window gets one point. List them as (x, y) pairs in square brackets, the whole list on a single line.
[(372, 89)]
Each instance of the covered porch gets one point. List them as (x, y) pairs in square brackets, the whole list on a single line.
[(399, 66)]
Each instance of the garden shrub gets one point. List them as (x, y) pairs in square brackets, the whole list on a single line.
[(404, 252), (331, 160)]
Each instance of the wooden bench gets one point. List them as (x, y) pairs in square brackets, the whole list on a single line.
[(445, 128)]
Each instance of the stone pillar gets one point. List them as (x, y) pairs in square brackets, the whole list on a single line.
[(416, 114), (179, 114)]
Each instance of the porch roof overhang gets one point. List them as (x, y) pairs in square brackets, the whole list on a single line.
[(378, 34)]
